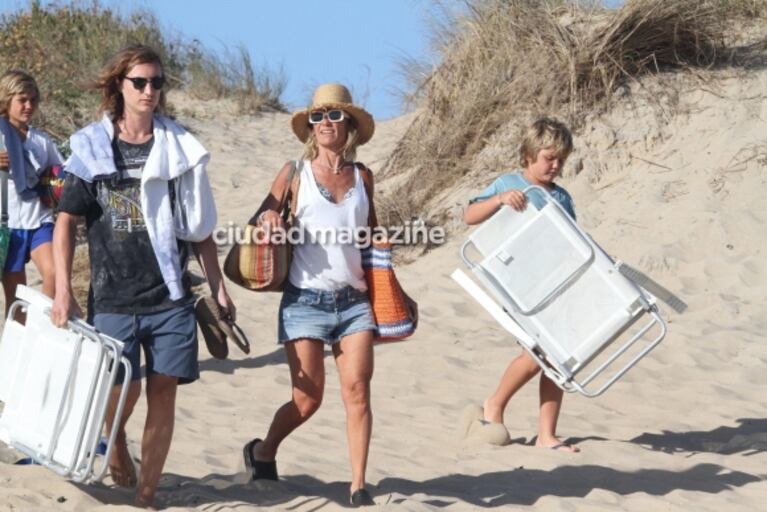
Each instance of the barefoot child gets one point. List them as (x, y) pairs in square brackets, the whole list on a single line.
[(543, 152), (28, 151)]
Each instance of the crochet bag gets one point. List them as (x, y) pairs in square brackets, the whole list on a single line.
[(258, 264), (395, 313)]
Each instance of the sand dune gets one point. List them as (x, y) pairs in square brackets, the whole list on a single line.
[(682, 199)]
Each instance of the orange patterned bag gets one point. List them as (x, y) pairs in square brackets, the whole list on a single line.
[(395, 313)]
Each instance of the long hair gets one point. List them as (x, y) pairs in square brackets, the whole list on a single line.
[(15, 82), (108, 81)]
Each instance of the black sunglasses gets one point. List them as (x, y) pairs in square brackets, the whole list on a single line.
[(139, 83)]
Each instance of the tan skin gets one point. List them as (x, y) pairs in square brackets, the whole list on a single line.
[(353, 354), (20, 110), (540, 170), (136, 126)]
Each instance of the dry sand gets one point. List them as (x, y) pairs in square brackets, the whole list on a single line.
[(685, 430)]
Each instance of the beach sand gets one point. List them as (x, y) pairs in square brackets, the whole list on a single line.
[(685, 430)]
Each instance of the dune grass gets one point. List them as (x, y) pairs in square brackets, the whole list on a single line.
[(510, 61), (63, 47)]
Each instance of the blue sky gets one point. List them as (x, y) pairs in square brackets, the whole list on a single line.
[(357, 42)]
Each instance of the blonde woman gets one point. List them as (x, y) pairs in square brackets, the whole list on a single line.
[(325, 301)]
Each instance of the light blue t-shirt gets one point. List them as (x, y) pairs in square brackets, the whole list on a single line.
[(516, 181)]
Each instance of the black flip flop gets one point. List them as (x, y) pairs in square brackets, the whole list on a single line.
[(259, 470)]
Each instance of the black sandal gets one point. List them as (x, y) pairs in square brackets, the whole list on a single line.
[(259, 470), (361, 498)]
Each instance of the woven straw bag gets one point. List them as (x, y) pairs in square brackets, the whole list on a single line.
[(259, 265)]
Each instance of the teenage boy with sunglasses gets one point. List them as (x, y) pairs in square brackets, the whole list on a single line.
[(139, 180)]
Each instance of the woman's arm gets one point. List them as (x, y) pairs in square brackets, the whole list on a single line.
[(269, 211)]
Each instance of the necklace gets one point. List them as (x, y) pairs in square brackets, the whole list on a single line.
[(334, 169)]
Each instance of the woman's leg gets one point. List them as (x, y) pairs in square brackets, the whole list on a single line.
[(519, 372), (42, 257), (307, 375), (354, 359)]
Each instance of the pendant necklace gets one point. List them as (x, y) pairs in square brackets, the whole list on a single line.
[(336, 170)]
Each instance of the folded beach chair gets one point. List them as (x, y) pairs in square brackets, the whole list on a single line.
[(564, 299), (55, 385)]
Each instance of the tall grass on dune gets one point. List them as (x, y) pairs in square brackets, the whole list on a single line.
[(512, 60), (212, 75), (63, 47)]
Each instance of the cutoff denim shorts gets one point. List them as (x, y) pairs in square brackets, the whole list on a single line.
[(323, 315)]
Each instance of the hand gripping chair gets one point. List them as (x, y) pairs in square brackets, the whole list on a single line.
[(566, 301), (55, 384)]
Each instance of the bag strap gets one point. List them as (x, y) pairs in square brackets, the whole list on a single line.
[(289, 195), (294, 180), (4, 198), (367, 177), (3, 189)]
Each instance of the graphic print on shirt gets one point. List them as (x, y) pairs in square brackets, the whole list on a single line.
[(121, 198)]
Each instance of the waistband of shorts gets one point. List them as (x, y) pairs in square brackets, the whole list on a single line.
[(345, 293)]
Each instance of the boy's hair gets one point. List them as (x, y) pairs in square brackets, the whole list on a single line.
[(15, 82), (311, 149), (115, 71), (545, 133)]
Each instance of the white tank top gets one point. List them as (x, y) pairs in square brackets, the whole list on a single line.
[(329, 260)]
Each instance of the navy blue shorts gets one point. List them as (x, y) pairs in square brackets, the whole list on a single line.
[(21, 244), (322, 315), (169, 340)]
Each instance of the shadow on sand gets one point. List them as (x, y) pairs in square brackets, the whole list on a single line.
[(495, 489), (749, 437), (228, 366)]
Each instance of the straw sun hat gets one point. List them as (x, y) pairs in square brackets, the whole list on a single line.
[(330, 96)]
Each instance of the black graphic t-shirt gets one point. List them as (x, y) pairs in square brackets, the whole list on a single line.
[(125, 276)]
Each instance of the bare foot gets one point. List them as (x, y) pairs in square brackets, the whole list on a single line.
[(492, 413), (121, 466), (555, 444), (144, 503)]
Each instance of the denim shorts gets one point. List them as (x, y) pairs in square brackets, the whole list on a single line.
[(168, 337), (21, 244), (322, 315)]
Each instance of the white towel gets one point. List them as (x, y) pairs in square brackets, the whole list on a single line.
[(175, 154)]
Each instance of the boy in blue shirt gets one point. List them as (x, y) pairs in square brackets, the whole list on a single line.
[(542, 154)]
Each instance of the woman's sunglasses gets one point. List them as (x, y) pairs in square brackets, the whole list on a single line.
[(334, 116), (140, 82)]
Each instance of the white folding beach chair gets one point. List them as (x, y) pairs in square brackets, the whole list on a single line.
[(566, 301), (55, 385)]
